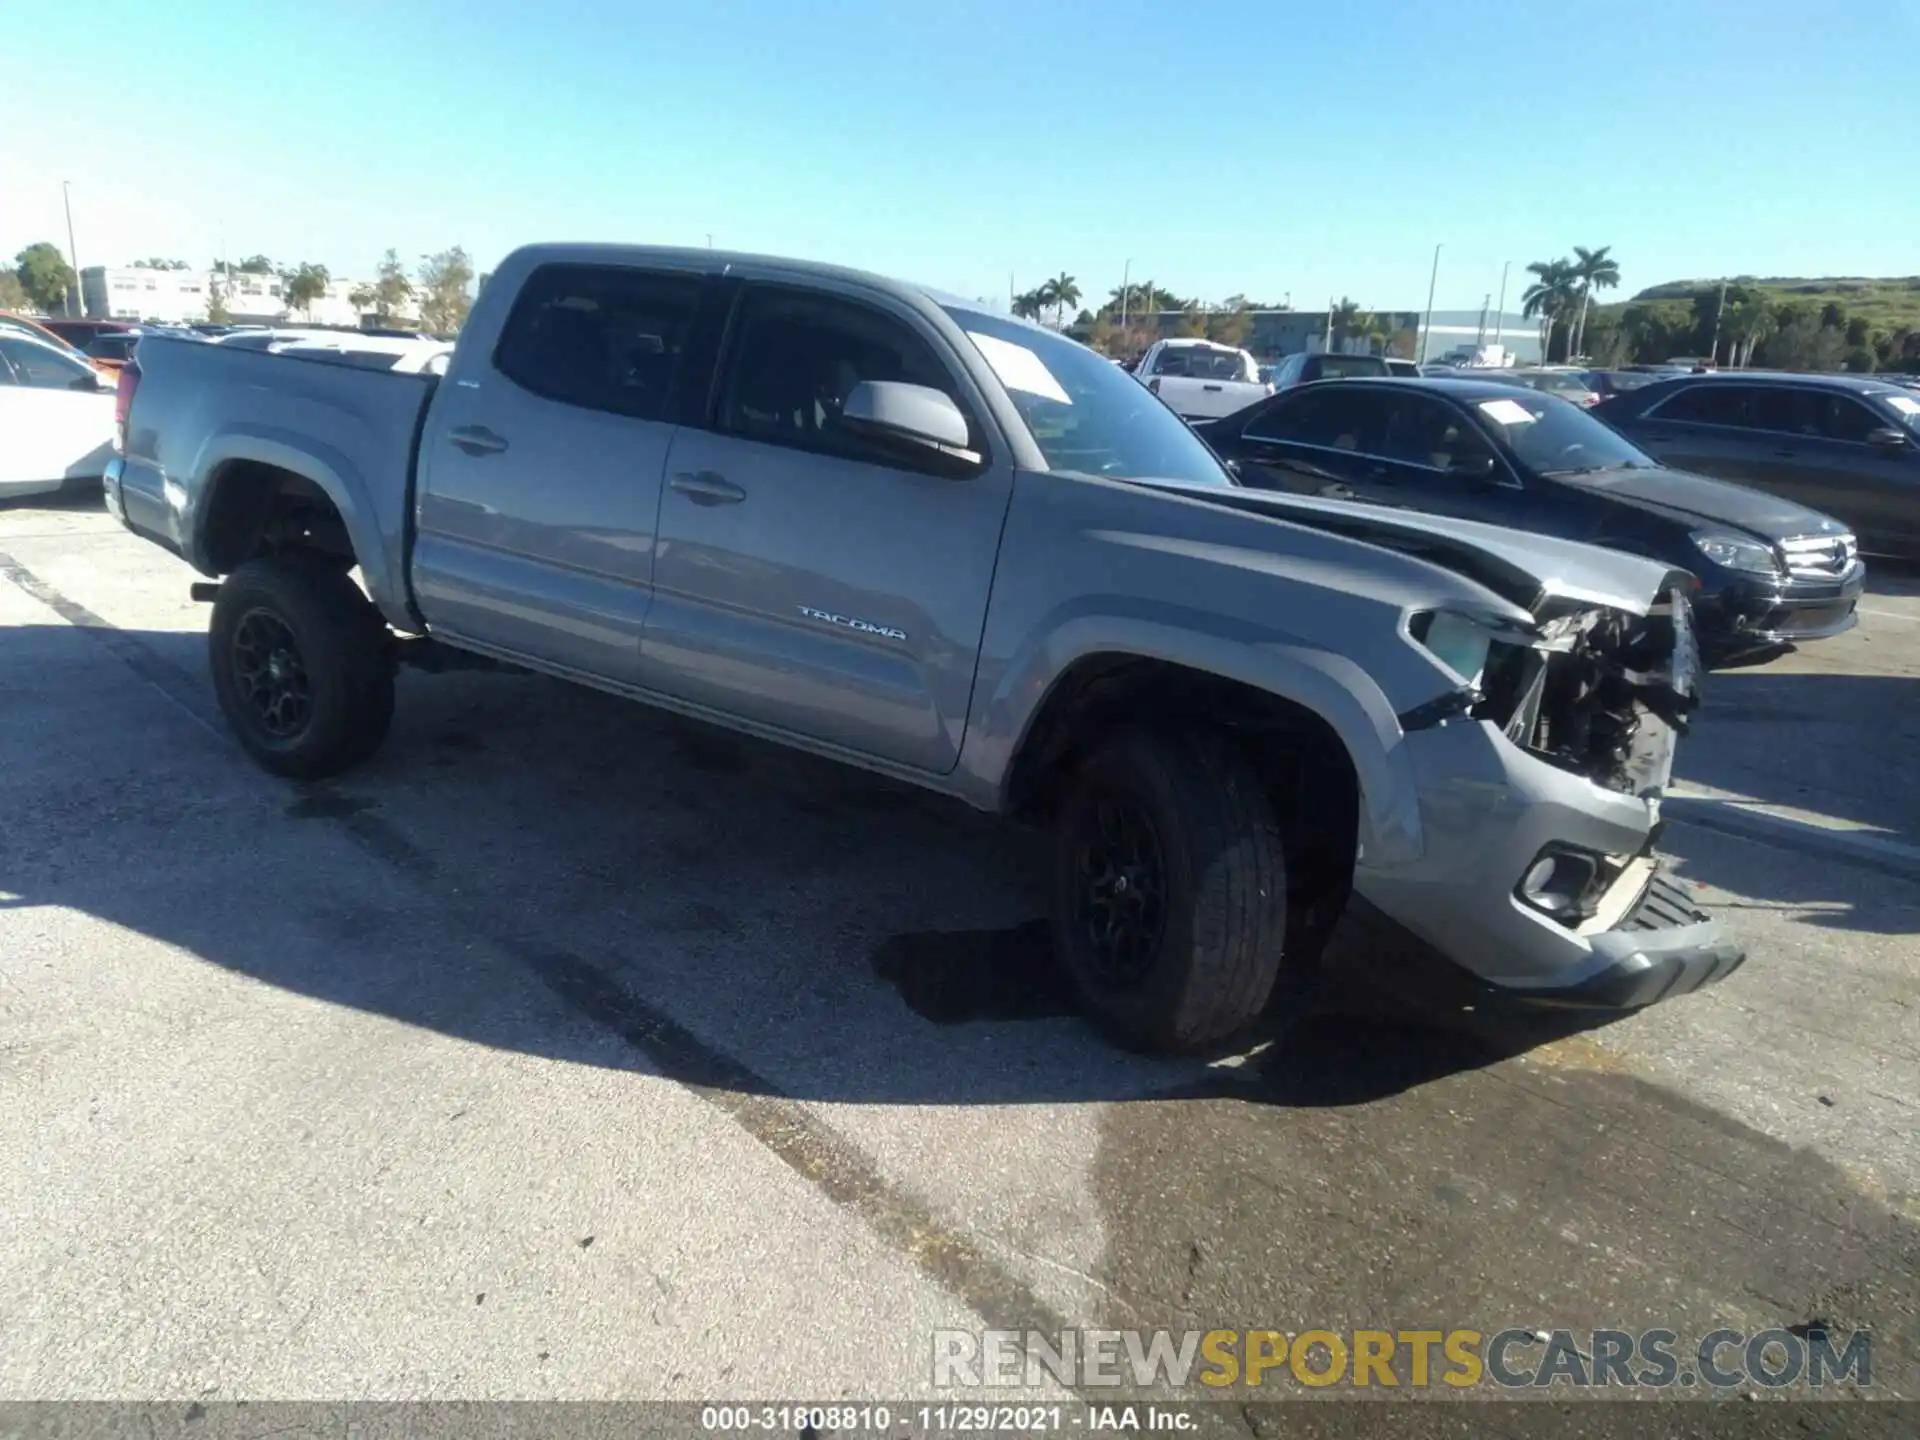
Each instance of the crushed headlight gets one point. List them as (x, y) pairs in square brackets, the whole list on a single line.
[(1736, 552), (1459, 641)]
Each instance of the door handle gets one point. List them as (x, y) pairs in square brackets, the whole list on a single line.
[(1786, 454), (477, 440), (704, 487), (1214, 388), (1337, 492)]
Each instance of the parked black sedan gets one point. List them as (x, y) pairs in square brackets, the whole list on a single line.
[(1771, 571), (1847, 443)]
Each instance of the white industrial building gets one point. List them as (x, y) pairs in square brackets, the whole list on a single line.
[(134, 292)]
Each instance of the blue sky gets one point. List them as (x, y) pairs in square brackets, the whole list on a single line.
[(1271, 147)]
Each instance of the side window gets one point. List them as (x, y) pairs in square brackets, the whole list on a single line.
[(1786, 410), (40, 367), (1427, 432), (793, 359), (1845, 418), (1705, 405), (1331, 419), (599, 336)]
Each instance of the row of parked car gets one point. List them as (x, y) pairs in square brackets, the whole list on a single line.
[(58, 379), (1766, 487)]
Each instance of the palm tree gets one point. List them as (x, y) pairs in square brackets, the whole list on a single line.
[(1064, 291), (1748, 320), (1344, 319), (1551, 297), (1029, 305), (1595, 271)]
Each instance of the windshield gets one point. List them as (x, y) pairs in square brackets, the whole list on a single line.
[(1552, 437), (1559, 382), (1085, 413)]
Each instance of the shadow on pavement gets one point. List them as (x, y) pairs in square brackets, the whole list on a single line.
[(859, 940), (1833, 744), (760, 927)]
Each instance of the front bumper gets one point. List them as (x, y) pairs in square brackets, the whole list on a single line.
[(1488, 810), (1752, 611)]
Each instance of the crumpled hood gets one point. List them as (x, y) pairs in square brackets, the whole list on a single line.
[(1696, 497), (1532, 571)]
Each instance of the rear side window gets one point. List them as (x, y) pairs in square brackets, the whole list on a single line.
[(795, 356), (1787, 411), (602, 337), (1333, 419), (1706, 405)]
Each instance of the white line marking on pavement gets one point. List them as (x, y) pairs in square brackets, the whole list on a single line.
[(1889, 614)]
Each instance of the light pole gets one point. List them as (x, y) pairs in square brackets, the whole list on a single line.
[(1126, 281), (1426, 329), (72, 301), (1499, 315)]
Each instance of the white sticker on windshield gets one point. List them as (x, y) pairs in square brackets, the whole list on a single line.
[(1019, 368), (1507, 412), (1905, 404)]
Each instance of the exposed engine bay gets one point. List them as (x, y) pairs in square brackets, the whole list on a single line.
[(1598, 691)]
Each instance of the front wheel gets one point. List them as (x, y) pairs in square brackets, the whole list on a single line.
[(302, 666), (1169, 890)]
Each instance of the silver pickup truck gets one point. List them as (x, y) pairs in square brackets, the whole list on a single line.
[(857, 518)]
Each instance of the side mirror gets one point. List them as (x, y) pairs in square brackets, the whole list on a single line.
[(918, 419), (1886, 438), (1475, 467)]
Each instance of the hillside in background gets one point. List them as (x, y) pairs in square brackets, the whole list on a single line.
[(1892, 302), (1855, 323)]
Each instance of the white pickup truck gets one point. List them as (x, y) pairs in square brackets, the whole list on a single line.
[(1200, 380)]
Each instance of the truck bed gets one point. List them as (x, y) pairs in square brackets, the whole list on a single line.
[(200, 409)]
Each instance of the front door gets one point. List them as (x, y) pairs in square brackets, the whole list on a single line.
[(541, 465), (807, 578), (1429, 456)]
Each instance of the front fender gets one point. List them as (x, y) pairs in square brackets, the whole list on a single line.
[(1329, 685), (378, 553)]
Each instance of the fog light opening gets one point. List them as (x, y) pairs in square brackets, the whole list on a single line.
[(1559, 883)]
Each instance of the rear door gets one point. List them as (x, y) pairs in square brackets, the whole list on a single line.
[(540, 471), (808, 578), (56, 424), (1702, 428)]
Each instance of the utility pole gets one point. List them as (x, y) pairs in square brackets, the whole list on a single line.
[(72, 302), (1126, 279), (1426, 329), (709, 240), (1327, 341), (1500, 311), (1713, 350), (1480, 336), (1009, 292)]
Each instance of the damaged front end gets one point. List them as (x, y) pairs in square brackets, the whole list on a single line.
[(1594, 689)]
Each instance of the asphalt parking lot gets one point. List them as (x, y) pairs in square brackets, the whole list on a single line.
[(571, 1051)]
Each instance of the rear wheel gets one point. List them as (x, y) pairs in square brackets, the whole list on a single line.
[(1169, 890), (302, 666)]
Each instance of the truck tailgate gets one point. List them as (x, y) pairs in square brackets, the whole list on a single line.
[(1194, 398)]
